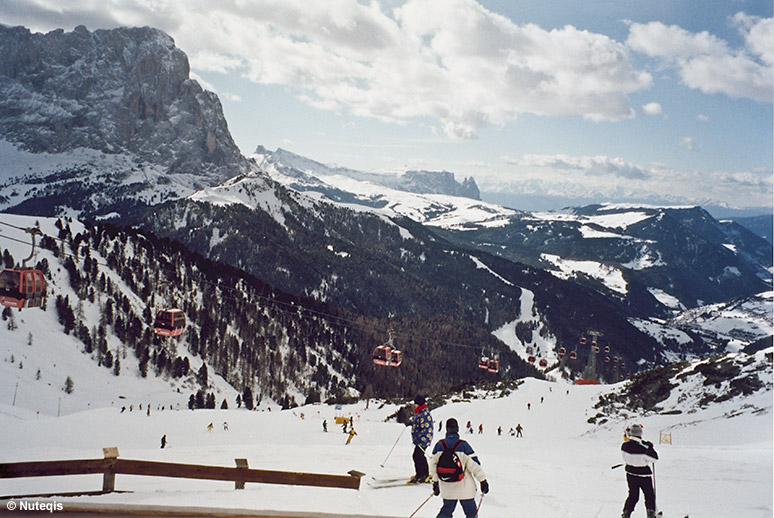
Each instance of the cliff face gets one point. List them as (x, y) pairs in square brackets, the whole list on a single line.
[(124, 90)]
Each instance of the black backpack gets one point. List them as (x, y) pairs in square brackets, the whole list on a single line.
[(449, 467)]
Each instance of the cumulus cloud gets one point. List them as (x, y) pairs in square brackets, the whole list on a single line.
[(651, 109), (708, 63), (449, 61)]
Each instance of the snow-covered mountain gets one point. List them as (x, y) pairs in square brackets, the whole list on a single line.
[(414, 245), (681, 255), (105, 122), (432, 198)]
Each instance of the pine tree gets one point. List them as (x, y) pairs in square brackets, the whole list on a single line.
[(107, 361), (202, 376), (247, 398), (69, 386)]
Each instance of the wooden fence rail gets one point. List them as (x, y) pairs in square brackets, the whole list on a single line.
[(112, 465)]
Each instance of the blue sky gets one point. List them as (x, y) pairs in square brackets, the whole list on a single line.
[(656, 101)]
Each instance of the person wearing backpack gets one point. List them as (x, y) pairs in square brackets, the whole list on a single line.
[(454, 466)]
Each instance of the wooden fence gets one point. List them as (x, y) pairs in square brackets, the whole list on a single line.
[(111, 465)]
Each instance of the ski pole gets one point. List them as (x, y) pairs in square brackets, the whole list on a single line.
[(393, 446), (420, 505), (481, 501), (616, 466)]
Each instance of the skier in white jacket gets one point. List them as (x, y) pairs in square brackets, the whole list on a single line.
[(639, 456), (464, 489)]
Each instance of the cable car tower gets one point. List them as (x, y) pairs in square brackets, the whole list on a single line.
[(590, 372)]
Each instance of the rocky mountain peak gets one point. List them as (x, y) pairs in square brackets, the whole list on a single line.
[(124, 90)]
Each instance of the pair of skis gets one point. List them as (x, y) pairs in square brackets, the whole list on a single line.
[(378, 483)]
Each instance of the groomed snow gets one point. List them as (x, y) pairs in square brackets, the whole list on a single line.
[(716, 467)]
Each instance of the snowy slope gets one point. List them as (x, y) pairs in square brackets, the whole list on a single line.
[(38, 357), (718, 465), (385, 194)]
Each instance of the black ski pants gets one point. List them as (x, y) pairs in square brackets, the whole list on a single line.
[(637, 484), (420, 463)]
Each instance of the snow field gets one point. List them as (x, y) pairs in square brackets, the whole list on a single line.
[(717, 467)]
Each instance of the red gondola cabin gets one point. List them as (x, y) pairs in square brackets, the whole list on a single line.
[(483, 363), (492, 365), (387, 356), (543, 363), (169, 322), (22, 288)]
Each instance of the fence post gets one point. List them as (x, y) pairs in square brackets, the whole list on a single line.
[(240, 464), (109, 477)]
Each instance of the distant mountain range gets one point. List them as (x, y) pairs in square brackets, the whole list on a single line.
[(107, 125)]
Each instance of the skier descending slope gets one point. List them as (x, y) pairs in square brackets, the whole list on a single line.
[(639, 455), (453, 466)]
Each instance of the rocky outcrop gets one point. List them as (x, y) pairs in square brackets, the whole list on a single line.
[(123, 90)]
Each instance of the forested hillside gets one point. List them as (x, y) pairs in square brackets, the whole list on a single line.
[(263, 342)]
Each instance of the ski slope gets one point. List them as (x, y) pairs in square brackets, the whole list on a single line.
[(716, 467)]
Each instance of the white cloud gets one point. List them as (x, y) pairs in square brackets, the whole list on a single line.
[(709, 64), (602, 177), (599, 165), (651, 109), (688, 143), (449, 61)]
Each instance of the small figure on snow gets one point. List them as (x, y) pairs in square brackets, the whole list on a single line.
[(518, 430), (639, 456), (499, 430), (163, 441), (225, 426), (457, 483), (481, 428), (209, 427), (325, 425), (352, 434), (469, 427)]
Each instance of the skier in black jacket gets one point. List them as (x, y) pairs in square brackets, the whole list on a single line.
[(638, 455)]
